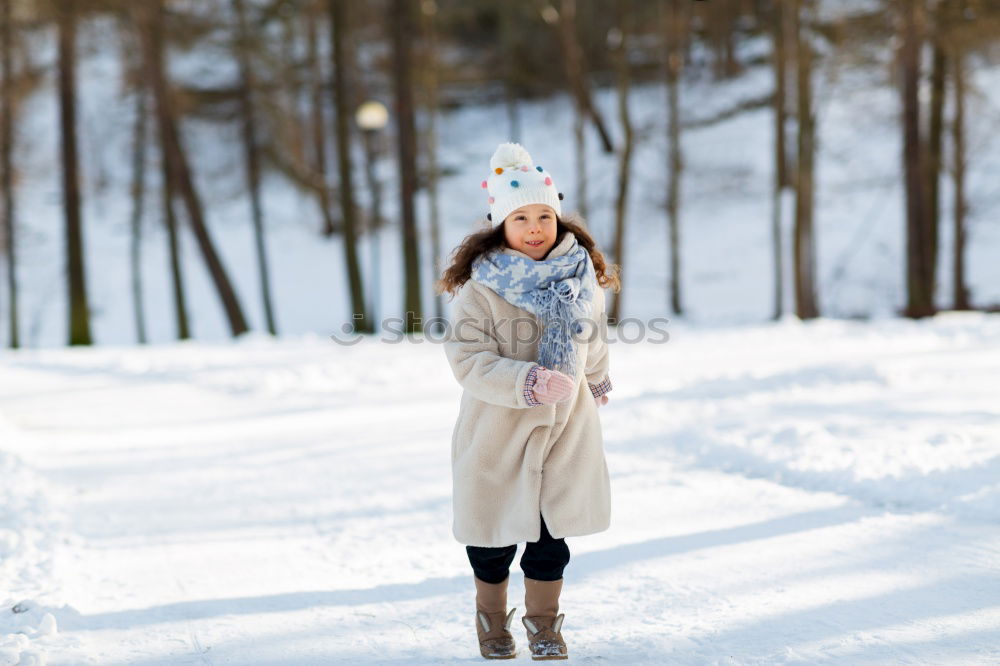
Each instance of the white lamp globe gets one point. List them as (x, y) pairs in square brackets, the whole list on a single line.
[(372, 115)]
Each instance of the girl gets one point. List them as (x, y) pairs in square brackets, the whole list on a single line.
[(527, 453)]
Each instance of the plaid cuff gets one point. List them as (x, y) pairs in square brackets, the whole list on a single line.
[(529, 385), (600, 389)]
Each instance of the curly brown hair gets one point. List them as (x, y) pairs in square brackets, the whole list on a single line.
[(481, 242)]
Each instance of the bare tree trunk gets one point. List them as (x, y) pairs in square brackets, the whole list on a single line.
[(252, 156), (173, 240), (79, 315), (804, 252), (8, 226), (431, 86), (781, 180), (567, 33), (508, 32), (343, 109), (138, 203), (580, 143), (935, 132), (960, 291), (722, 20), (675, 29), (288, 91), (919, 279), (168, 197), (717, 31), (622, 79), (317, 120), (150, 15), (732, 24), (402, 23), (565, 22)]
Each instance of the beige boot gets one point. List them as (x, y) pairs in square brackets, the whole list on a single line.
[(542, 619), (493, 620)]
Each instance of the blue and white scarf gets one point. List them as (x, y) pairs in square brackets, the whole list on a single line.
[(559, 290)]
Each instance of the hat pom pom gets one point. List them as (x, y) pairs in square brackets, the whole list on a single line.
[(510, 155)]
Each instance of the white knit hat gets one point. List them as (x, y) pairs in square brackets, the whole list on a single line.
[(515, 181)]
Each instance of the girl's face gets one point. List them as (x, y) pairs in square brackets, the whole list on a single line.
[(531, 229)]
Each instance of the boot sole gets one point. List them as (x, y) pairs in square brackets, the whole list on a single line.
[(490, 656)]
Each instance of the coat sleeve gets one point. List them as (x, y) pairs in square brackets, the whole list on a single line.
[(474, 354), (597, 351)]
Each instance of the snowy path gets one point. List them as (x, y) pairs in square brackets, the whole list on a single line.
[(782, 494)]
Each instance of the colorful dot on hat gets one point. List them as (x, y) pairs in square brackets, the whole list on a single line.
[(524, 168), (539, 168), (491, 199), (514, 183), (484, 185), (499, 170), (560, 196), (548, 181)]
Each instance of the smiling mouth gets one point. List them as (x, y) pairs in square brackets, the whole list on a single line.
[(533, 243)]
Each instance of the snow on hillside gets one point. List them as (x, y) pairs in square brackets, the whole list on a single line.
[(788, 493), (726, 253)]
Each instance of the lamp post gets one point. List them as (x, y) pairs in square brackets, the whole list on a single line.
[(372, 118)]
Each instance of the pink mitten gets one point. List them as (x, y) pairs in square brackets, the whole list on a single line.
[(601, 400), (552, 386)]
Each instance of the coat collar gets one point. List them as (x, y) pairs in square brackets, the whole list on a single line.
[(559, 249)]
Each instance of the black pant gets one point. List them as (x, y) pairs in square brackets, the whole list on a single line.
[(544, 559)]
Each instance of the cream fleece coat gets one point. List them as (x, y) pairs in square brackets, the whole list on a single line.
[(512, 462)]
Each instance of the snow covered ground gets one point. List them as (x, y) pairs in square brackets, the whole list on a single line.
[(811, 493)]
